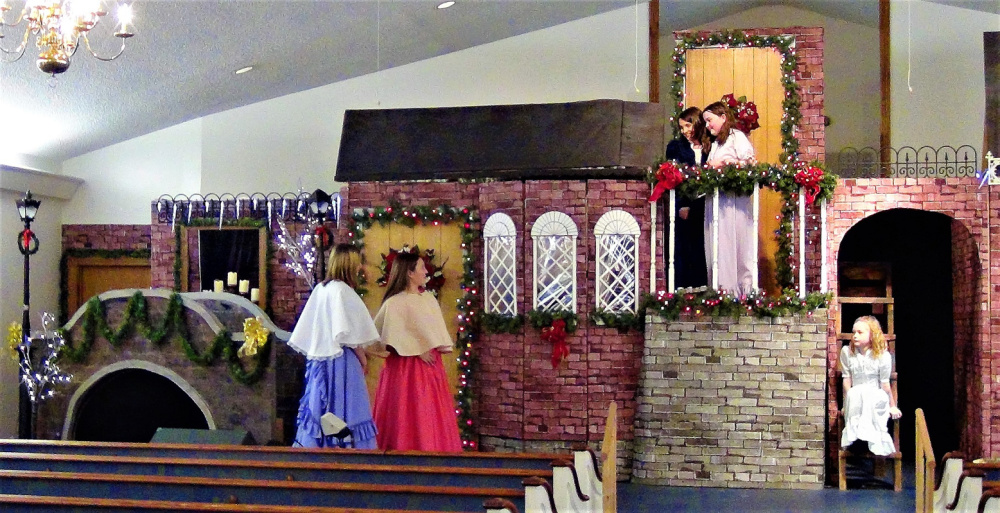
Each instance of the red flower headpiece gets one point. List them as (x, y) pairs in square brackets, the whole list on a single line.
[(744, 111)]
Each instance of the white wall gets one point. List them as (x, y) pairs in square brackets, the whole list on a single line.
[(850, 68), (281, 144), (121, 181), (944, 46), (44, 278)]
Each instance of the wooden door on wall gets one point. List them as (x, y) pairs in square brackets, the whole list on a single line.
[(756, 74), (88, 276), (446, 241)]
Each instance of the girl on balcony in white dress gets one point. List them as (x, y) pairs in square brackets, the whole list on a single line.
[(737, 263), (868, 402)]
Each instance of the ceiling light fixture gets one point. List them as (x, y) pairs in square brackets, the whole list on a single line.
[(243, 70), (58, 26), (445, 5)]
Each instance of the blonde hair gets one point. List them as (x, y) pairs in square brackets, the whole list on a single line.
[(879, 344), (344, 265), (399, 278)]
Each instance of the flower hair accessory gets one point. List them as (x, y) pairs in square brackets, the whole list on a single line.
[(744, 111)]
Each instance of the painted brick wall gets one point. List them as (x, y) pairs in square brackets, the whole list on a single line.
[(524, 404), (735, 403), (105, 236), (975, 299)]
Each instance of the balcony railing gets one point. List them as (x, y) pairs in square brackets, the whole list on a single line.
[(905, 162)]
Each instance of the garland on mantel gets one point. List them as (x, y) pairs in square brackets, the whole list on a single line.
[(467, 305), (136, 318)]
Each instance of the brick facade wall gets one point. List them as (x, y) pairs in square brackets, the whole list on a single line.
[(106, 236), (735, 403), (975, 301)]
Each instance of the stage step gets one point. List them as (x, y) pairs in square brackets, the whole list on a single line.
[(249, 491), (272, 470), (264, 453)]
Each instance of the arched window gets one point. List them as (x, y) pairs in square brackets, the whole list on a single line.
[(617, 280), (554, 241), (500, 264)]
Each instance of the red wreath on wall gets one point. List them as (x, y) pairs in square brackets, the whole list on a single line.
[(435, 273)]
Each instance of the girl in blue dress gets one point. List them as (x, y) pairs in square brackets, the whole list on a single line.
[(333, 328)]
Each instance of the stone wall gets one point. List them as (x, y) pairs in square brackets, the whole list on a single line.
[(735, 403)]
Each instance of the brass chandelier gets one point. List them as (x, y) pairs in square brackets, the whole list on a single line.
[(58, 26)]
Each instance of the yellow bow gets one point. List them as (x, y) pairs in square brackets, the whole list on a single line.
[(254, 337), (15, 336)]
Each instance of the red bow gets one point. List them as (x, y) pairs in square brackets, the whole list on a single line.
[(26, 236), (809, 178), (668, 177), (323, 234), (557, 335)]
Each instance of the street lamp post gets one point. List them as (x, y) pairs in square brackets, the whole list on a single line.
[(27, 244), (319, 207)]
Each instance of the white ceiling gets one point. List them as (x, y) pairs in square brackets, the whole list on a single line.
[(180, 64)]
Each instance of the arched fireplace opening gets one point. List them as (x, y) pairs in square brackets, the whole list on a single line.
[(917, 245), (128, 405)]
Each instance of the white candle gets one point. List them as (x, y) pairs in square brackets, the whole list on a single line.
[(244, 286), (255, 294), (231, 279), (218, 285)]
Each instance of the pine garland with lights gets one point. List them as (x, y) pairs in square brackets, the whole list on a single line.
[(712, 303), (501, 323), (541, 319), (467, 305), (621, 321), (136, 319)]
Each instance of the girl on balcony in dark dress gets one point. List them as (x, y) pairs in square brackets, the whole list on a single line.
[(689, 249)]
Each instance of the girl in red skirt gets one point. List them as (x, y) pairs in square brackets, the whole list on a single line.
[(414, 407)]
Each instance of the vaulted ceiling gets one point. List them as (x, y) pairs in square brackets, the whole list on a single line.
[(180, 66)]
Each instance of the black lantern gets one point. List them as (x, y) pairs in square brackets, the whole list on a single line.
[(319, 207), (27, 244)]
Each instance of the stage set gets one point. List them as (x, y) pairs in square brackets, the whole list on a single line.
[(557, 281)]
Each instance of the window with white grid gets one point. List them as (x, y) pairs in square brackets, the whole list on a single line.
[(554, 243), (617, 287), (500, 262)]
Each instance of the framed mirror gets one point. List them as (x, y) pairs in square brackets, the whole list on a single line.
[(233, 257)]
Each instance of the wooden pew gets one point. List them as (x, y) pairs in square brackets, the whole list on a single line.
[(249, 491), (270, 470), (43, 504)]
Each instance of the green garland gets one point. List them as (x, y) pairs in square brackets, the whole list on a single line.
[(541, 319), (711, 303), (623, 321), (64, 313), (785, 45), (136, 318), (467, 305), (501, 323), (740, 179)]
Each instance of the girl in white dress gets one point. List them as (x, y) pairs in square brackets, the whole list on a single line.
[(736, 262), (868, 402)]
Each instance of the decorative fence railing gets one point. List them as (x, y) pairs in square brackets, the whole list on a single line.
[(286, 207), (905, 162)]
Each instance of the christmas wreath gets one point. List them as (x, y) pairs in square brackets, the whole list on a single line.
[(435, 273)]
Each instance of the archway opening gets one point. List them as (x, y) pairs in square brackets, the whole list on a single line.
[(917, 247), (130, 404)]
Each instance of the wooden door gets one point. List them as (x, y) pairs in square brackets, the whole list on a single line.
[(756, 74), (88, 276), (446, 242)]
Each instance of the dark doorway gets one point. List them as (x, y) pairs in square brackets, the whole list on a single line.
[(917, 245), (128, 405)]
